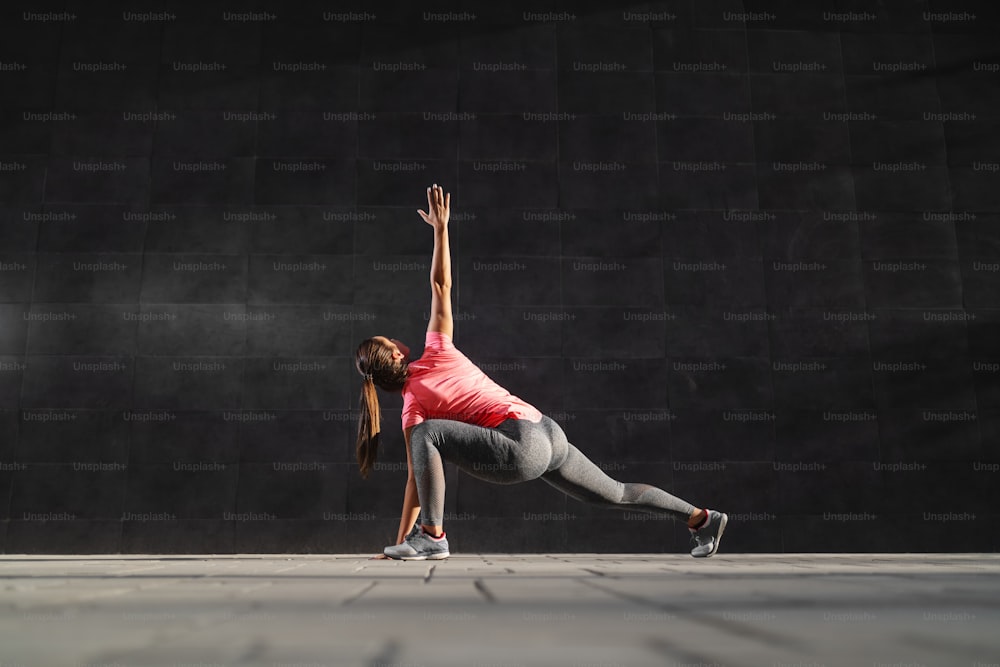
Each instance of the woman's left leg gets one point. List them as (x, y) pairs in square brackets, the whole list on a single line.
[(515, 451)]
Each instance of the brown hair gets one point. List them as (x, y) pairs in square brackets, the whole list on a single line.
[(375, 363)]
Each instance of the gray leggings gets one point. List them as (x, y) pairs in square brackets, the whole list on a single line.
[(518, 450)]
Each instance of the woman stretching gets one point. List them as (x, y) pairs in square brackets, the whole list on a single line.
[(453, 412)]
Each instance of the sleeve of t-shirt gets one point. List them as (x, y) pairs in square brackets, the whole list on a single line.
[(435, 341)]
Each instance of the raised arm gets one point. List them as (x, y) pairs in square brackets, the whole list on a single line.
[(437, 216)]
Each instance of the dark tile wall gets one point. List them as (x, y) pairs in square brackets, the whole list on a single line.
[(746, 251)]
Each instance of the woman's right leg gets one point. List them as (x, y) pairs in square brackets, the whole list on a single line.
[(580, 478)]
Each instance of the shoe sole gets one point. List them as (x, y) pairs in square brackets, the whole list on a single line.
[(718, 536), (435, 556)]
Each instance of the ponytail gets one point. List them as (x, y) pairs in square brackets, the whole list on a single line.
[(369, 427), (374, 361)]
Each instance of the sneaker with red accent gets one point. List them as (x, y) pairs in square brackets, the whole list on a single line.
[(707, 538), (418, 545)]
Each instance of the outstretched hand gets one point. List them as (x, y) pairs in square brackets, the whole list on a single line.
[(438, 207)]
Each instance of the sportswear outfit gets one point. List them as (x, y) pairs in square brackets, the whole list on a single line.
[(460, 415)]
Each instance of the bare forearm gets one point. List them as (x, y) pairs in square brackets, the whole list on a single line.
[(411, 508), (441, 261), (439, 207)]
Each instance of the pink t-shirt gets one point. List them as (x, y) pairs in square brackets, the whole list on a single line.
[(444, 384)]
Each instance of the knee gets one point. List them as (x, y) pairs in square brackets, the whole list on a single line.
[(419, 432), (430, 432), (421, 443), (559, 449), (632, 493)]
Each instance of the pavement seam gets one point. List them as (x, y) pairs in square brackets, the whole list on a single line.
[(678, 655), (597, 572), (351, 598), (731, 627), (387, 655), (486, 593)]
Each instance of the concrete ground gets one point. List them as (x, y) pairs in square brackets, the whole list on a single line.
[(501, 610)]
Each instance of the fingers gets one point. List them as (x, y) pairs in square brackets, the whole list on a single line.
[(437, 199)]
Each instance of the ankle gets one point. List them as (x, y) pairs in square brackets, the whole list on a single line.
[(438, 535), (698, 520)]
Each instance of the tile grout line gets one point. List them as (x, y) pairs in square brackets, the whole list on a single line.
[(730, 627), (364, 589), (480, 586)]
